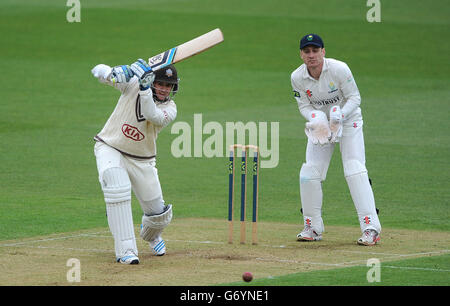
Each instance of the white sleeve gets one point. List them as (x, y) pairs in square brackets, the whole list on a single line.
[(157, 116), (304, 106), (349, 90)]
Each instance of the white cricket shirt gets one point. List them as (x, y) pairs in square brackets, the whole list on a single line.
[(336, 86), (134, 124)]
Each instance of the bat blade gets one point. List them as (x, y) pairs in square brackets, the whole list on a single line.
[(186, 50)]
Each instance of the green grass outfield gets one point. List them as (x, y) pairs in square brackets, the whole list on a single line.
[(429, 271), (51, 107)]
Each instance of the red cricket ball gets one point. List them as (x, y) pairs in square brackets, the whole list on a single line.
[(247, 276)]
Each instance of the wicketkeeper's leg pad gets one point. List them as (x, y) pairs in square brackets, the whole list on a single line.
[(152, 226), (311, 195), (361, 191)]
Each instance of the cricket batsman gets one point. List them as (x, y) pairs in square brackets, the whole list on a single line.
[(125, 152), (328, 98)]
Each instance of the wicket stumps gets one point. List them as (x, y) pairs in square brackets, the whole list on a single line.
[(231, 176)]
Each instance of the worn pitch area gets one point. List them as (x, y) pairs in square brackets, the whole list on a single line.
[(198, 254)]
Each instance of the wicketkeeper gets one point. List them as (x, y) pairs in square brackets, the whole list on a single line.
[(329, 99), (125, 151)]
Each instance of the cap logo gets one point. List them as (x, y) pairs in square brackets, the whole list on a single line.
[(309, 38), (169, 72)]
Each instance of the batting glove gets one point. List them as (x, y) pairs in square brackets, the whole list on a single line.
[(121, 74), (144, 72), (101, 71)]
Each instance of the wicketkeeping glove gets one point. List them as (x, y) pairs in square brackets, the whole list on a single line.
[(317, 128), (121, 74), (336, 120), (144, 72)]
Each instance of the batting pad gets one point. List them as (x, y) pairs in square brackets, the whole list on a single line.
[(117, 191), (116, 185), (153, 226), (120, 221)]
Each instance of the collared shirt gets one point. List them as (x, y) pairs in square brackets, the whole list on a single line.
[(134, 125), (335, 86)]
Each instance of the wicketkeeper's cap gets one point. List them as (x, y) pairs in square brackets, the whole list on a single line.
[(311, 39)]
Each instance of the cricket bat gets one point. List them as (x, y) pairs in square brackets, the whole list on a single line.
[(186, 50)]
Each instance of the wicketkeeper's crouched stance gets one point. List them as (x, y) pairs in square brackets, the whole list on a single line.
[(329, 99), (125, 151)]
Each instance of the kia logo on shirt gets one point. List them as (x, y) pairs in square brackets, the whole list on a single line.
[(132, 132)]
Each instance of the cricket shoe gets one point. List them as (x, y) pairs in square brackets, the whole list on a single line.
[(158, 246), (370, 237), (308, 234), (129, 259)]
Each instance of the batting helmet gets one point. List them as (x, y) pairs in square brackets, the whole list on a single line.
[(168, 75)]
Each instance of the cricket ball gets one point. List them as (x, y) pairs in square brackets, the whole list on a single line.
[(247, 277)]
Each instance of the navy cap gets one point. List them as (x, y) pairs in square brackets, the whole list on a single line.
[(311, 39)]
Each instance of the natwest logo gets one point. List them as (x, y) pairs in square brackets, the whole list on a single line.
[(132, 132)]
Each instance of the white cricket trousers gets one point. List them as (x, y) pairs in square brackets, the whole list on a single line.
[(313, 172), (118, 175), (143, 176)]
